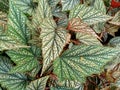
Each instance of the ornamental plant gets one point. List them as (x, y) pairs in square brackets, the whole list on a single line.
[(59, 45)]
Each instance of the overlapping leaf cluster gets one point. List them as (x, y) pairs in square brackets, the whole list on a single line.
[(54, 44)]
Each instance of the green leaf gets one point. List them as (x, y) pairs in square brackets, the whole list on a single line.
[(25, 59), (53, 41), (74, 63), (7, 44), (87, 39), (88, 14), (53, 3), (17, 29), (26, 6), (99, 5), (69, 4), (4, 5), (38, 84), (115, 42), (14, 81)]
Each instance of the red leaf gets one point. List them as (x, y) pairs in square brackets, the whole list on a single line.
[(115, 4)]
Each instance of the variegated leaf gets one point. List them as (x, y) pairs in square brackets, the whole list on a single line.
[(116, 19), (88, 14), (26, 6), (14, 81), (99, 5), (38, 84), (53, 41), (74, 63), (69, 4), (25, 59), (77, 25), (87, 39), (17, 29)]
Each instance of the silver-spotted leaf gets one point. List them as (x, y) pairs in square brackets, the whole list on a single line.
[(7, 43), (14, 81), (26, 6), (17, 29), (87, 39), (88, 14), (53, 41), (99, 5), (38, 84), (69, 4), (43, 11), (74, 63), (25, 59)]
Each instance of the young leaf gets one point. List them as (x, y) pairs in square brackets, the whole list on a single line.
[(38, 84), (14, 81), (26, 6), (53, 41), (74, 63), (88, 14), (69, 4), (17, 29), (25, 59), (77, 25), (87, 39)]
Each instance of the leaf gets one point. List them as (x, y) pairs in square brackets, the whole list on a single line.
[(43, 11), (99, 5), (53, 41), (14, 81), (57, 12), (71, 84), (53, 3), (112, 29), (74, 63), (115, 42), (116, 19), (26, 6), (4, 5), (3, 19), (99, 27), (88, 14), (69, 4), (38, 84), (7, 44), (25, 59), (87, 39), (17, 29), (76, 24), (62, 88)]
